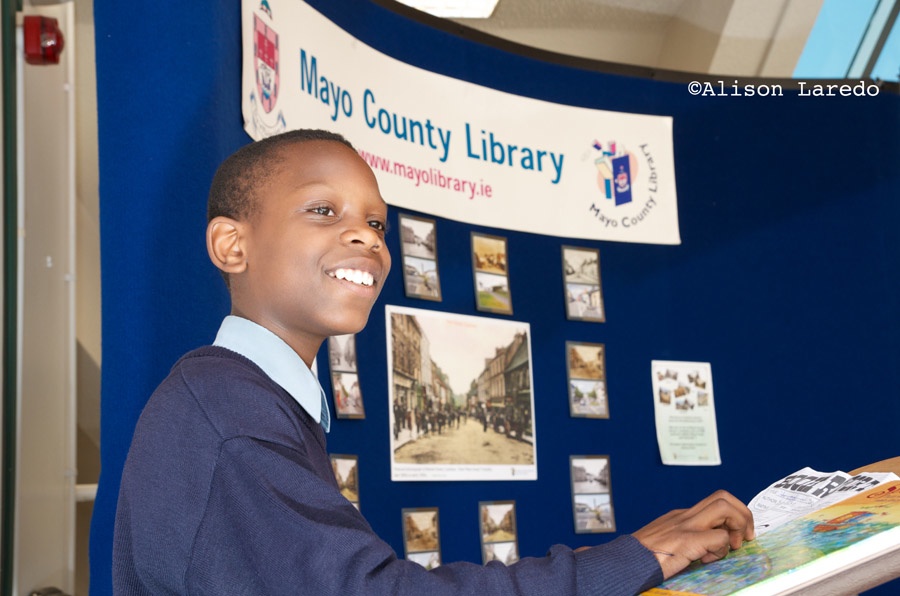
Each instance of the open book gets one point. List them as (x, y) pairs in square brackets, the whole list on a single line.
[(810, 526)]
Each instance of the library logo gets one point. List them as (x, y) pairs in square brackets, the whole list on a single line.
[(265, 59), (614, 172), (265, 68), (617, 170)]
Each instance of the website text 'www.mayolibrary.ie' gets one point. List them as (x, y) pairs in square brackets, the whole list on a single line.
[(428, 176)]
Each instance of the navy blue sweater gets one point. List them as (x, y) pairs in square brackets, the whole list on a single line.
[(228, 489)]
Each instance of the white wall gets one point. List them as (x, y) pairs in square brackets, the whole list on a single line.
[(45, 503)]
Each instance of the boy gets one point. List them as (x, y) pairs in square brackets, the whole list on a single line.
[(228, 488)]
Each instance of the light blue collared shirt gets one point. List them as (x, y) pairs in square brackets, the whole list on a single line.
[(278, 360)]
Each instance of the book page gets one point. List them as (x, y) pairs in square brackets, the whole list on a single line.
[(805, 491)]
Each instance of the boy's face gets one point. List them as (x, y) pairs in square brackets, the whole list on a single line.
[(315, 253)]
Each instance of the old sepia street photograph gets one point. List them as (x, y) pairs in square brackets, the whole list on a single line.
[(586, 366), (591, 495), (499, 537), (418, 247), (420, 530), (581, 278), (461, 401), (346, 472)]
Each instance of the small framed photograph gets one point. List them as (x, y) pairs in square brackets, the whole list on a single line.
[(346, 472), (505, 552), (489, 264), (499, 537), (418, 247), (591, 494), (348, 401), (586, 366), (421, 536), (342, 353), (581, 280)]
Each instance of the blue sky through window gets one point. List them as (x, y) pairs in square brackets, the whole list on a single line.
[(836, 36), (888, 66)]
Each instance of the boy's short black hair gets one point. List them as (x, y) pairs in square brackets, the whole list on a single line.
[(234, 188)]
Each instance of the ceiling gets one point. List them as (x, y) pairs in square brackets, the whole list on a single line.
[(752, 38)]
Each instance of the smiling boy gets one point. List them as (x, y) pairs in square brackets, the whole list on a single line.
[(228, 487), (306, 257)]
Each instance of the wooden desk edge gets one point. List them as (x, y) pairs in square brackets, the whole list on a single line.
[(885, 465)]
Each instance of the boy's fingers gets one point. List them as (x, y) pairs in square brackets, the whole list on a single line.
[(728, 514), (705, 532), (716, 548), (725, 497), (738, 537)]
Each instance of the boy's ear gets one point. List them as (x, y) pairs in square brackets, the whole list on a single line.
[(225, 244)]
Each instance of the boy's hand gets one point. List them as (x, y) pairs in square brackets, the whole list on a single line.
[(705, 532)]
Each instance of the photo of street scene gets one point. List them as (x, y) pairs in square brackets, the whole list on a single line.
[(505, 552), (461, 401), (344, 380), (586, 365), (591, 495), (342, 353), (347, 476), (489, 264), (421, 537), (348, 401), (498, 531), (426, 560), (420, 278), (418, 236), (492, 293), (418, 247), (581, 278)]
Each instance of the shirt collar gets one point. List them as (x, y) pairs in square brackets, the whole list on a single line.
[(278, 360)]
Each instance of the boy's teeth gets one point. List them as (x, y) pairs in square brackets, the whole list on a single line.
[(354, 275)]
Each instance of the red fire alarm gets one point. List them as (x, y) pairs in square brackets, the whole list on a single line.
[(43, 40)]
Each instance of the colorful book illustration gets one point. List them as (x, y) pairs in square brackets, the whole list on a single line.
[(811, 547)]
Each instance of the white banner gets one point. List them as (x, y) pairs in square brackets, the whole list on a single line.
[(453, 149)]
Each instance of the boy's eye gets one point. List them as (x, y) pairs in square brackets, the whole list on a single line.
[(323, 210), (378, 225)]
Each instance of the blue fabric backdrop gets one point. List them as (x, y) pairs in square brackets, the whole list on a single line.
[(786, 280)]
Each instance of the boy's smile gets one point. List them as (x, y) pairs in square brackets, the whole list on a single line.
[(314, 250), (354, 275)]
